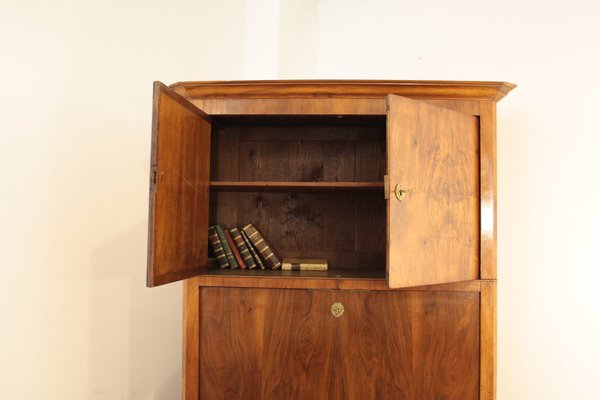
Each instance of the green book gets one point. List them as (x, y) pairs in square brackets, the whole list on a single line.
[(217, 247), (228, 253)]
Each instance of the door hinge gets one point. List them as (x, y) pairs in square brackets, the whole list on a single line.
[(153, 177)]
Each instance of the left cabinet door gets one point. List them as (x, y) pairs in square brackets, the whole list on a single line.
[(179, 187)]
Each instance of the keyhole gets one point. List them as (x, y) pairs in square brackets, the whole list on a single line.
[(337, 309)]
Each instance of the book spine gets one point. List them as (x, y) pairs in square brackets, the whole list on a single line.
[(262, 246), (242, 248), (303, 267), (253, 250), (217, 247), (226, 248), (234, 250)]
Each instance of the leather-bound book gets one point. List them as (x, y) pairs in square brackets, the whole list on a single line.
[(304, 264), (213, 238), (234, 250), (264, 249), (255, 255), (242, 248), (228, 253)]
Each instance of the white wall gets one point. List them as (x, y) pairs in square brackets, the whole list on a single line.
[(548, 162), (76, 321)]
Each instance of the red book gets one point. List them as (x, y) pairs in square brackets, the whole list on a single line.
[(234, 249)]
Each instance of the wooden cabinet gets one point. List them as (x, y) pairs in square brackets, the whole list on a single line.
[(392, 181)]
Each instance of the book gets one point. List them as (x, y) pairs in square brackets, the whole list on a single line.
[(264, 249), (234, 250), (304, 264), (242, 248), (226, 248), (253, 251), (213, 238)]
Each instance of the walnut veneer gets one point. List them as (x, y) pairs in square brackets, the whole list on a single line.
[(394, 182)]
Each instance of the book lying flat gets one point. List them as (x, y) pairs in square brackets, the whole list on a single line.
[(304, 264)]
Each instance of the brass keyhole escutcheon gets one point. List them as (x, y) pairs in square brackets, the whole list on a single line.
[(401, 191), (337, 309)]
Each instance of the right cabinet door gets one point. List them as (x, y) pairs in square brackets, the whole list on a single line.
[(291, 344), (433, 203)]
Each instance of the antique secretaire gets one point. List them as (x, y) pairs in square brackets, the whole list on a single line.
[(392, 182)]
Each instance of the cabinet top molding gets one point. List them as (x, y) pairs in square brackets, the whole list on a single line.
[(344, 88)]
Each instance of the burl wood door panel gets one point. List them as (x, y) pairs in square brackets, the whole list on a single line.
[(286, 344), (434, 228)]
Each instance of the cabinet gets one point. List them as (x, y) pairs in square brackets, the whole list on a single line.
[(392, 181)]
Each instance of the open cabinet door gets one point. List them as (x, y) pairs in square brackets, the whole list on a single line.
[(433, 195), (179, 179)]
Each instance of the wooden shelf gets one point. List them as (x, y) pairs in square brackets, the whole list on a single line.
[(255, 186), (329, 274)]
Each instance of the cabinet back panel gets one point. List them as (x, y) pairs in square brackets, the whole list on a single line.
[(286, 344), (302, 153), (347, 229)]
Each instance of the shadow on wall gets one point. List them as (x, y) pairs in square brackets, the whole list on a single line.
[(135, 344)]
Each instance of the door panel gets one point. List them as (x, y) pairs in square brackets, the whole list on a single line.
[(286, 344), (433, 230), (178, 217)]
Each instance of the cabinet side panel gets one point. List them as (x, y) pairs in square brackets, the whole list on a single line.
[(191, 338), (488, 341), (488, 189)]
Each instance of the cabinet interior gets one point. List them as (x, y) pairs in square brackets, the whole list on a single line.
[(313, 185)]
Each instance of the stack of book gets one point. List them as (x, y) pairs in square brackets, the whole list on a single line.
[(247, 248), (243, 248)]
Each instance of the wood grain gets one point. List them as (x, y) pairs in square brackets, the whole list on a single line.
[(317, 106), (335, 130), (285, 344), (313, 164), (178, 216), (191, 339), (224, 166), (343, 279), (487, 164), (433, 234), (488, 357), (344, 88), (319, 225), (268, 186)]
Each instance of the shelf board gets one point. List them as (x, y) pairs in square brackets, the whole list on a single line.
[(329, 274), (255, 186)]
